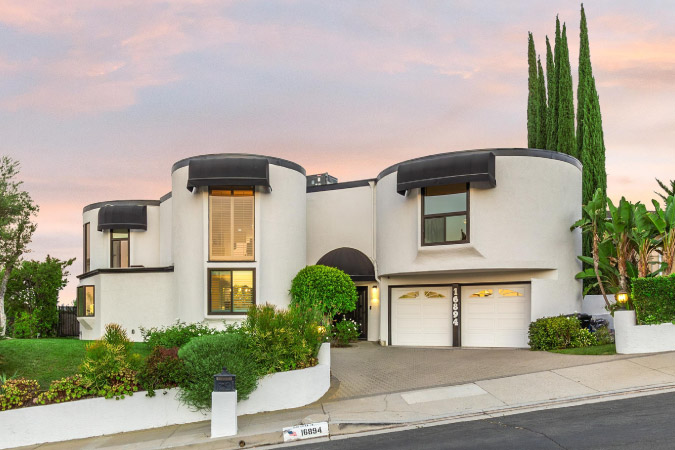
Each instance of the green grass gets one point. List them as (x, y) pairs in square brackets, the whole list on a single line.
[(608, 349), (46, 360)]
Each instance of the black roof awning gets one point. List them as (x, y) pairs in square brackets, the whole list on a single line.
[(132, 217), (475, 168), (351, 261), (229, 171)]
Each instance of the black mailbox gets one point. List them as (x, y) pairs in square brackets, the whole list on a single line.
[(224, 382)]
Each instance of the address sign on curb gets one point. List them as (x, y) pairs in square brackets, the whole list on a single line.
[(309, 431)]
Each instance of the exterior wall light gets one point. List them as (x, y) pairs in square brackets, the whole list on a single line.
[(224, 382), (621, 297), (375, 295)]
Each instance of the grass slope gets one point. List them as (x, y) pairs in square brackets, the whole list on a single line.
[(45, 360)]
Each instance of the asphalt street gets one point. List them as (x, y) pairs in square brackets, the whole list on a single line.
[(638, 423)]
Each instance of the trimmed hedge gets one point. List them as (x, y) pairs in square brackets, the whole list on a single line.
[(654, 299), (553, 333), (323, 288)]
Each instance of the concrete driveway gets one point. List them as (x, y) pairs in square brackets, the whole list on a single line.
[(367, 368)]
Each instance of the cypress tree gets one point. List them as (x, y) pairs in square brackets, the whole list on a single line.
[(552, 140), (566, 140), (532, 98), (552, 93), (541, 117), (585, 77)]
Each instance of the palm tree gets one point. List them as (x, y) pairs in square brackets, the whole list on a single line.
[(669, 190)]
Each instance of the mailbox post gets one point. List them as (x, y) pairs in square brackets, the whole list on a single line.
[(224, 405)]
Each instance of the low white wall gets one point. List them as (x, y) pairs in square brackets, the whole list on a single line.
[(631, 338), (99, 416)]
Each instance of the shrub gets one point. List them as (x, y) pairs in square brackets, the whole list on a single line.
[(550, 333), (345, 331), (15, 393), (163, 369), (603, 336), (175, 335), (63, 390), (25, 325), (324, 288), (279, 340), (654, 299)]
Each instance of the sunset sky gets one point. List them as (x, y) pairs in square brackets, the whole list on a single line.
[(98, 99)]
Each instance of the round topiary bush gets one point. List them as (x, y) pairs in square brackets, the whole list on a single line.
[(325, 289)]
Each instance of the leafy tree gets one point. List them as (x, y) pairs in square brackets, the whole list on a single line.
[(553, 96), (532, 97), (16, 227), (325, 289), (664, 222), (541, 117), (643, 236), (33, 287), (669, 190), (552, 90), (566, 140)]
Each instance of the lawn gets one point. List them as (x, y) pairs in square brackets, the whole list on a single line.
[(608, 349), (45, 360)]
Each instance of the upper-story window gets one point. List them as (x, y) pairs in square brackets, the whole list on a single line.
[(119, 248), (445, 218), (86, 249), (231, 224)]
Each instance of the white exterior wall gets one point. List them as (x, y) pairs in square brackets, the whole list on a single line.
[(340, 218), (519, 231), (99, 242), (132, 300), (165, 235)]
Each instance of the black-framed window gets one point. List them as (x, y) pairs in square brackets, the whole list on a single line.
[(86, 248), (231, 224), (119, 248), (231, 291), (85, 301), (445, 214)]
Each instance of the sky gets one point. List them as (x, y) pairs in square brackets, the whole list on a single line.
[(98, 99)]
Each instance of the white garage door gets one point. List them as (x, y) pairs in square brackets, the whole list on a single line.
[(421, 316), (495, 315)]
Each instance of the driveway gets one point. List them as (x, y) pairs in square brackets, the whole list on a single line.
[(367, 368)]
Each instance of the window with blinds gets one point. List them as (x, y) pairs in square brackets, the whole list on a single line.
[(231, 291), (231, 224)]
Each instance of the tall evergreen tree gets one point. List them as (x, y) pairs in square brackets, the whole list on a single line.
[(552, 140), (532, 98), (541, 117), (566, 140), (593, 151), (585, 76), (552, 93)]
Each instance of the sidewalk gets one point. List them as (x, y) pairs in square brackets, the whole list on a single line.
[(642, 375)]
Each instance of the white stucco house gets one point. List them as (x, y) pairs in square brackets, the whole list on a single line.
[(455, 249)]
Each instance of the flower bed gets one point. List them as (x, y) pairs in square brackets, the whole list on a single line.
[(73, 420), (631, 338)]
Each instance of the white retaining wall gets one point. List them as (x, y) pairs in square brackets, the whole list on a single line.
[(631, 338), (99, 416)]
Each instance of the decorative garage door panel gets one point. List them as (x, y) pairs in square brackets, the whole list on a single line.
[(421, 316), (495, 315)]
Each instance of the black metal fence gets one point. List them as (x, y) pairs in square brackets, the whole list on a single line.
[(68, 324)]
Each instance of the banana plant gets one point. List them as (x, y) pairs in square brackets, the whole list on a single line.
[(643, 235), (664, 222), (594, 221), (619, 233)]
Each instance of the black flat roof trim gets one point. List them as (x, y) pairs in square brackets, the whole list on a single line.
[(121, 203), (345, 185), (165, 197), (532, 152), (272, 160), (125, 270)]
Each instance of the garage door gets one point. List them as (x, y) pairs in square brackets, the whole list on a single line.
[(421, 316), (495, 315)]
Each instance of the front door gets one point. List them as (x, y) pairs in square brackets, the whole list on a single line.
[(360, 314)]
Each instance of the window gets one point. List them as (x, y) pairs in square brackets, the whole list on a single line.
[(231, 224), (119, 248), (231, 291), (445, 218), (85, 301), (86, 257)]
